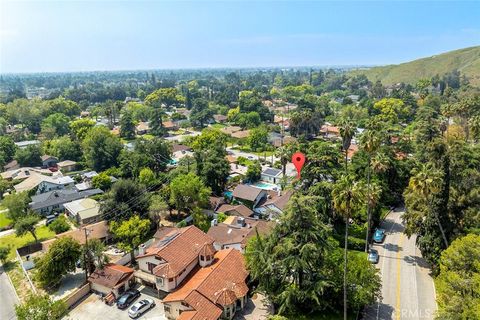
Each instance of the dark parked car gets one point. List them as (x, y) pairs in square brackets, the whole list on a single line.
[(127, 298), (373, 256)]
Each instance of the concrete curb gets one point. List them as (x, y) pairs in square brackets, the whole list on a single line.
[(11, 283)]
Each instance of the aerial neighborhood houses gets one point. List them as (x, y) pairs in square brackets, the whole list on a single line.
[(201, 281)]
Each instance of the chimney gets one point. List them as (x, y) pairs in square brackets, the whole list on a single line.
[(214, 222), (241, 221), (141, 249)]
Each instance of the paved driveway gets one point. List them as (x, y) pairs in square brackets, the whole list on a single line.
[(93, 308)]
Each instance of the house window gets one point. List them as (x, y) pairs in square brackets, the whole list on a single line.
[(170, 279), (185, 304), (166, 307), (151, 266), (160, 281), (202, 258)]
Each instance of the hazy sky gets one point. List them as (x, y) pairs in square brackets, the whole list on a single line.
[(112, 35)]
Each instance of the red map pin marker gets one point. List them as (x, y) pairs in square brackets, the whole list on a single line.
[(298, 160)]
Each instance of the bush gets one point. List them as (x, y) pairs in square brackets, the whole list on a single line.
[(59, 225)]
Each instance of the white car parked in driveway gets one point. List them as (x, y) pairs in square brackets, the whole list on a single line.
[(141, 307)]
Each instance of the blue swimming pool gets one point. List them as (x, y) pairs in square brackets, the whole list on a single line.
[(266, 185)]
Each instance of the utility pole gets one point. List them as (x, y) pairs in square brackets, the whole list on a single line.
[(85, 254)]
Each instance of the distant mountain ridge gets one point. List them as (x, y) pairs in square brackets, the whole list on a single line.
[(466, 60)]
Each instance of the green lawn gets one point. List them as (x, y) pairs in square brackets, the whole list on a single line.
[(43, 233), (4, 221), (218, 126)]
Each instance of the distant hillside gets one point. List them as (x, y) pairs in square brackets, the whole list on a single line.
[(467, 61)]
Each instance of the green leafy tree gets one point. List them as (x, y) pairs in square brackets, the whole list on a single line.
[(40, 307), (29, 156), (60, 259), (424, 183), (288, 264), (93, 255), (16, 204), (147, 177), (208, 138), (125, 198), (27, 224), (201, 113), (158, 209), (64, 148), (4, 252), (56, 124), (458, 284), (59, 225), (188, 191), (7, 148), (213, 167), (101, 149), (221, 217), (102, 181), (258, 138), (80, 128), (131, 233), (364, 282), (200, 220), (254, 171), (127, 126), (347, 195)]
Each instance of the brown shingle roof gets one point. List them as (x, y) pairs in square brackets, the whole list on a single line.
[(229, 233), (245, 192), (180, 147), (178, 248), (163, 231), (230, 130), (46, 157), (241, 134), (111, 276), (97, 230), (239, 209), (280, 201)]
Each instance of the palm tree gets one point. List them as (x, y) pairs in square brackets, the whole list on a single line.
[(347, 131), (474, 124), (373, 192), (347, 195), (380, 163), (425, 182), (284, 153), (93, 255), (370, 142)]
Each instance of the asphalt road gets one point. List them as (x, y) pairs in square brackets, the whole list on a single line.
[(408, 291), (8, 297)]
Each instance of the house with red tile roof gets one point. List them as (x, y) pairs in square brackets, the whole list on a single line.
[(172, 256), (212, 291)]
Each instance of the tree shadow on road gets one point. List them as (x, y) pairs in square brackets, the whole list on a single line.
[(392, 247), (384, 311), (419, 261)]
